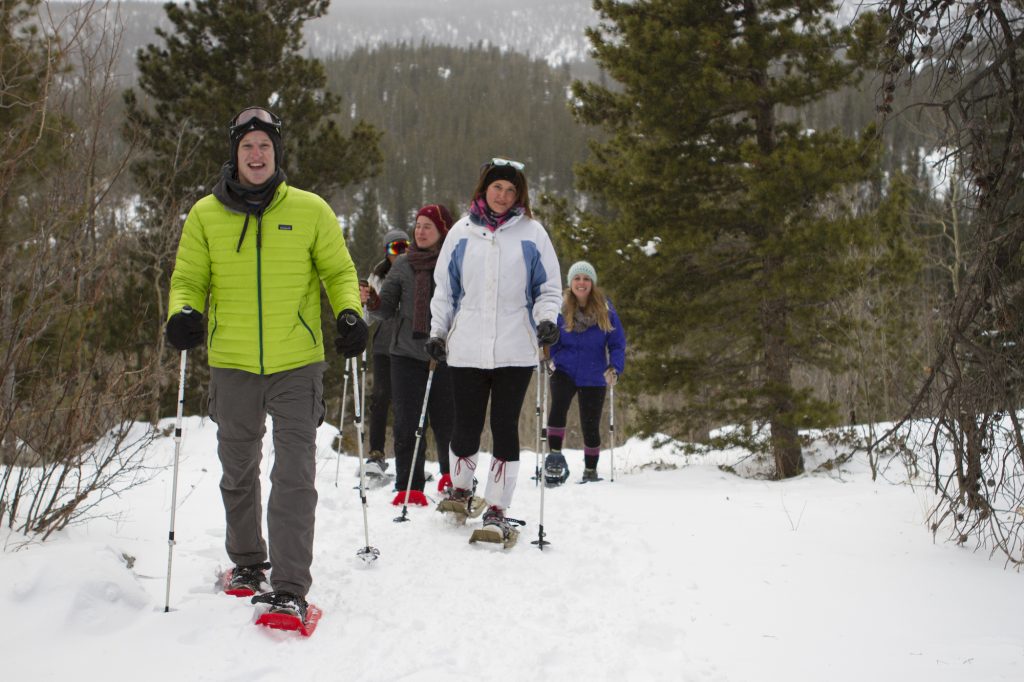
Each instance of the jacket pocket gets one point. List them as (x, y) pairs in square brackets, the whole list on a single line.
[(312, 336), (213, 326), (319, 406), (211, 402), (531, 331), (454, 336)]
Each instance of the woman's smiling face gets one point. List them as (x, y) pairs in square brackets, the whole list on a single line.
[(501, 196), (581, 287)]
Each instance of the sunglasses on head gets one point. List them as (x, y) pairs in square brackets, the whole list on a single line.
[(397, 248), (253, 118), (518, 165)]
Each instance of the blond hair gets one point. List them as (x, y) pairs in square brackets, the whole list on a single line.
[(596, 308)]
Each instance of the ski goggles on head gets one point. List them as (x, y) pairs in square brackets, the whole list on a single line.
[(253, 118), (398, 247), (498, 161)]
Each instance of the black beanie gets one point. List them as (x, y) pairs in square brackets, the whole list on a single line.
[(507, 173), (273, 132)]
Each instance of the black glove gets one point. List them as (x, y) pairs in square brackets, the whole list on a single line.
[(185, 329), (436, 349), (352, 334), (547, 333)]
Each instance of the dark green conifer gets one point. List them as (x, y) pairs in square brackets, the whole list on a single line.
[(364, 239), (732, 230), (221, 56)]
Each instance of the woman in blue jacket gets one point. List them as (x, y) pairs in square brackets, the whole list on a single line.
[(588, 357)]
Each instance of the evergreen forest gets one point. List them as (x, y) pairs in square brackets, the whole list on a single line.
[(806, 219)]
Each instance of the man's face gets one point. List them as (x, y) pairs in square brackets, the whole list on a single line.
[(256, 161)]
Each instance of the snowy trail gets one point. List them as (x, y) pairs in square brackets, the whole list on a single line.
[(688, 574)]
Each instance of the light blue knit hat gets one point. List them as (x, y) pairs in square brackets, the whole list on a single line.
[(581, 267)]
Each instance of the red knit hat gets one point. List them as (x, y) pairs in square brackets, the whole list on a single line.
[(439, 215)]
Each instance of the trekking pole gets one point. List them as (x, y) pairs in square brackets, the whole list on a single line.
[(367, 553), (611, 427), (536, 468), (362, 405), (341, 423), (416, 449), (544, 355), (174, 486)]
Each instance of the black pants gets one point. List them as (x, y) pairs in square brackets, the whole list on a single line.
[(380, 400), (408, 383), (505, 388), (591, 403)]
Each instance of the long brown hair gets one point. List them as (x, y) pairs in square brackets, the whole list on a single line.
[(596, 308), (519, 182)]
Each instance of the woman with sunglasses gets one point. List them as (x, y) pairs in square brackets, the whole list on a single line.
[(259, 250), (589, 356), (405, 297), (395, 244), (497, 296)]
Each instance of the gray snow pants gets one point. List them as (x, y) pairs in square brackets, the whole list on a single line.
[(239, 404)]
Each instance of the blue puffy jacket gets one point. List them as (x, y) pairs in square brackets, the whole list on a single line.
[(585, 355)]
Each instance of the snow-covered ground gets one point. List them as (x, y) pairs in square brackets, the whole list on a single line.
[(685, 573)]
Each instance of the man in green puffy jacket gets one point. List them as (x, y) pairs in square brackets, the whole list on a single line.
[(259, 250)]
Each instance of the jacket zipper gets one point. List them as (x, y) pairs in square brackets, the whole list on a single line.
[(259, 281)]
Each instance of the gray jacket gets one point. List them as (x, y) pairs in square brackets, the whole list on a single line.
[(397, 297), (384, 329)]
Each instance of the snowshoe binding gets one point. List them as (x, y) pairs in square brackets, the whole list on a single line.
[(376, 468), (286, 611), (245, 581), (458, 504), (556, 469), (497, 528)]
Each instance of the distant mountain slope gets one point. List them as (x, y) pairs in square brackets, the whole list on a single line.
[(545, 29), (549, 30)]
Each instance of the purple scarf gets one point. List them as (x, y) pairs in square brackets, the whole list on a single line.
[(481, 214), (422, 264)]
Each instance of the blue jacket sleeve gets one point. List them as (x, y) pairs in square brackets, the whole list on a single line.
[(616, 342), (557, 345)]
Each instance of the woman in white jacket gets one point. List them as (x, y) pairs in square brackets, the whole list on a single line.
[(497, 296)]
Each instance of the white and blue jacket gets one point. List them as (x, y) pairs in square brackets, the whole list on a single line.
[(492, 288)]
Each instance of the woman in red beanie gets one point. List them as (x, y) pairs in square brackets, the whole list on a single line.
[(405, 296)]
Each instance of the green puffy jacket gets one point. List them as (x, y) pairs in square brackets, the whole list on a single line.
[(264, 314)]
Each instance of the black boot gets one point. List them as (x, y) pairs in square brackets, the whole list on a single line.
[(556, 469)]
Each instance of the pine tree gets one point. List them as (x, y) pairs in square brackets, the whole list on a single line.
[(222, 56), (364, 242), (731, 232)]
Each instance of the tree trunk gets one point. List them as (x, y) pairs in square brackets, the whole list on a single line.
[(778, 364), (778, 361)]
